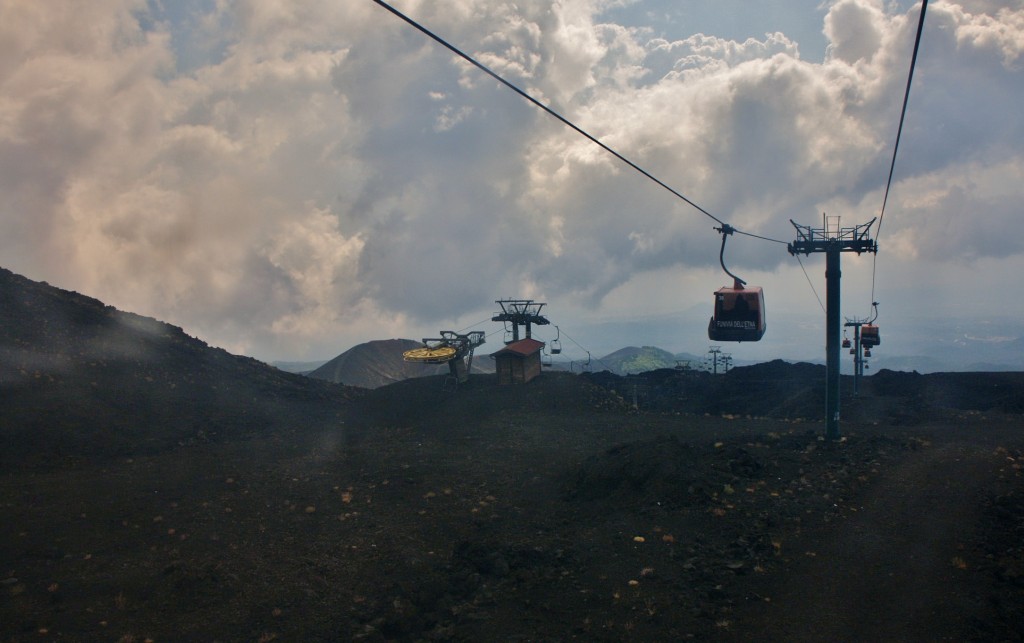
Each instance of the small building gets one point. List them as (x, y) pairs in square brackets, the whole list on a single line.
[(518, 362)]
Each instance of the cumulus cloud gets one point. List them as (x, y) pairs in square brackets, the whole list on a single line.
[(284, 177)]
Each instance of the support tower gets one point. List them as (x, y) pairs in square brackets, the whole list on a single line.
[(520, 312), (832, 240)]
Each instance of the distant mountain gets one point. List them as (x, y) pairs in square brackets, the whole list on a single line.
[(379, 362), (919, 363), (374, 364), (79, 378), (299, 367), (637, 360), (633, 360)]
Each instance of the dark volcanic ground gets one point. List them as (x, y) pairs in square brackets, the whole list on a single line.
[(154, 488), (549, 511)]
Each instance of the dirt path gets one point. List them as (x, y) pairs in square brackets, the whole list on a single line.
[(898, 568)]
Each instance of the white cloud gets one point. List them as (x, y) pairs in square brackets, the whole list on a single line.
[(855, 29), (1002, 32), (327, 173)]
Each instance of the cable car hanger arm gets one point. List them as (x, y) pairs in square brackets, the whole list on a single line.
[(726, 230)]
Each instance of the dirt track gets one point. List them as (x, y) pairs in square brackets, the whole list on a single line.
[(904, 567)]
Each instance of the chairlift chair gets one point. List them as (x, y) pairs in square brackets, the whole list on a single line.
[(545, 358), (556, 345)]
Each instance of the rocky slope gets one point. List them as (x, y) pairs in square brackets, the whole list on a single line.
[(80, 378)]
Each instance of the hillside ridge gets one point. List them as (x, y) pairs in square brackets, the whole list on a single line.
[(82, 378)]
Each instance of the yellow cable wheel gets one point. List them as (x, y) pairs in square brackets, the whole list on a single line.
[(437, 355)]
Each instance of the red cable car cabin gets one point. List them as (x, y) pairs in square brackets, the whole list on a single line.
[(869, 335), (739, 314)]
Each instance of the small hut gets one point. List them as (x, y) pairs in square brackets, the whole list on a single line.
[(518, 362)]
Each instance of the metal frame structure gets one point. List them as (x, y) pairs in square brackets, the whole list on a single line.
[(450, 348), (520, 312), (857, 350), (716, 357), (832, 240)]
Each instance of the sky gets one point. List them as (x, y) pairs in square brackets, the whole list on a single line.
[(288, 178)]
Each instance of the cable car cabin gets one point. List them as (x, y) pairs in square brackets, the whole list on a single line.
[(739, 315), (869, 335)]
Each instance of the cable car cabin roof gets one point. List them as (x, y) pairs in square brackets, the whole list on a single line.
[(739, 315)]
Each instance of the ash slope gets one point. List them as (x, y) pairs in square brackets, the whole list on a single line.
[(79, 378)]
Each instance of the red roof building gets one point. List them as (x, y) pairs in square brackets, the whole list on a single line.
[(518, 362)]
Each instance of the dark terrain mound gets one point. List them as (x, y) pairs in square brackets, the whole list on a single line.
[(773, 389), (778, 389), (999, 391), (193, 495), (380, 362), (374, 364), (424, 403), (79, 378)]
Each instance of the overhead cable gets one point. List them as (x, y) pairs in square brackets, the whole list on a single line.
[(899, 132), (903, 114), (589, 356), (541, 105), (810, 283), (757, 236), (473, 325)]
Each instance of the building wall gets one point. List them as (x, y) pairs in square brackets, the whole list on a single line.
[(505, 365), (531, 367), (515, 369)]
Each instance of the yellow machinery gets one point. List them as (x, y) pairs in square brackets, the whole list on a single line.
[(451, 348), (428, 355)]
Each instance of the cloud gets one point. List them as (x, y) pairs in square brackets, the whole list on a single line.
[(1002, 33), (855, 29), (290, 177)]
